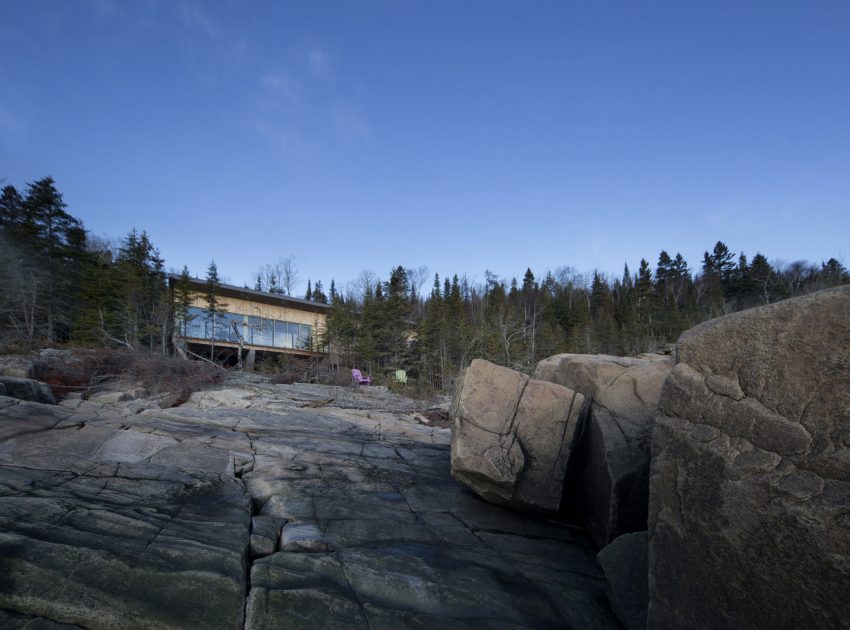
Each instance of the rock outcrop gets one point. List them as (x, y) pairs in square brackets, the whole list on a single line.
[(609, 474), (27, 389), (268, 508), (512, 435), (749, 521)]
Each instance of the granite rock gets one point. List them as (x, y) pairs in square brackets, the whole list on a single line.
[(609, 477), (750, 482), (512, 436)]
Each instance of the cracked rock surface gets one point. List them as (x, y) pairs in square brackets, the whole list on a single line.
[(749, 515), (267, 506), (609, 475)]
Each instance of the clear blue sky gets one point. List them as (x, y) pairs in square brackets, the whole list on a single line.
[(459, 135)]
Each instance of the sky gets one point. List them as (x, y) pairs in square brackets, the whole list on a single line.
[(462, 136)]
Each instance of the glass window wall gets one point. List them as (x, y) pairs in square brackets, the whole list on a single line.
[(305, 338), (282, 338), (258, 331)]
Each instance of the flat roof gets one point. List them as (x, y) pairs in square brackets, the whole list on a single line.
[(230, 290)]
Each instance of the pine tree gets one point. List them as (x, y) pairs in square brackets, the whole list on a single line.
[(11, 206), (717, 269), (532, 304), (368, 329), (319, 294), (273, 286), (723, 262), (664, 269), (97, 302), (599, 294), (625, 313), (396, 313), (680, 267), (215, 307), (140, 281), (834, 273), (309, 294), (55, 238), (644, 289), (183, 301), (431, 343), (602, 311)]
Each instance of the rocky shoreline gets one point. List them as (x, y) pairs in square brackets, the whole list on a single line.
[(707, 489), (247, 507)]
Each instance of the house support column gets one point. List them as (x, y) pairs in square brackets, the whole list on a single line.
[(248, 363)]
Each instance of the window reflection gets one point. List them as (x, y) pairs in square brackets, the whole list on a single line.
[(258, 331), (281, 335)]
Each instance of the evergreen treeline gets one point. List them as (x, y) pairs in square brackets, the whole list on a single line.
[(60, 285), (517, 324)]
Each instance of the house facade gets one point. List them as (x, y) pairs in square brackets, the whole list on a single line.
[(254, 321)]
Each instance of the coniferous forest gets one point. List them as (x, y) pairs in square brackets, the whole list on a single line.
[(60, 285)]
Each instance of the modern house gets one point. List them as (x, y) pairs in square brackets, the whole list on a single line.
[(256, 321)]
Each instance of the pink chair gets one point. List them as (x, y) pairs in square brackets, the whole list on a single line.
[(358, 377)]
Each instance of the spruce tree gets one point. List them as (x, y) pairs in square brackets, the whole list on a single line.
[(97, 302), (215, 306), (273, 287), (834, 273), (53, 236), (664, 269), (723, 262), (319, 294), (11, 206), (140, 281), (183, 301), (644, 288)]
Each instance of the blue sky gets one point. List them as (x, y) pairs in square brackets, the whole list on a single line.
[(462, 136)]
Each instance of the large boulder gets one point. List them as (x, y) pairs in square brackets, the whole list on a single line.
[(609, 477), (512, 436), (749, 521), (624, 563), (27, 389)]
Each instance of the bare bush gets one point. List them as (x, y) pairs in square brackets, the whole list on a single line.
[(87, 371)]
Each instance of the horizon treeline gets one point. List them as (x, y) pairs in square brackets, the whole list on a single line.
[(61, 285), (518, 323)]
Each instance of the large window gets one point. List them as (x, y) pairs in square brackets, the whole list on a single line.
[(305, 337), (263, 331), (257, 331), (225, 323), (195, 324), (282, 338)]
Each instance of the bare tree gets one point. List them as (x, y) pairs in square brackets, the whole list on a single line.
[(280, 276), (795, 274), (416, 278), (365, 283), (22, 284), (510, 329), (288, 274)]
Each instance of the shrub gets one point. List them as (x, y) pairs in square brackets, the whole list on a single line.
[(86, 371)]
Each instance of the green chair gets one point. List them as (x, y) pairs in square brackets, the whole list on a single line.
[(401, 376)]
